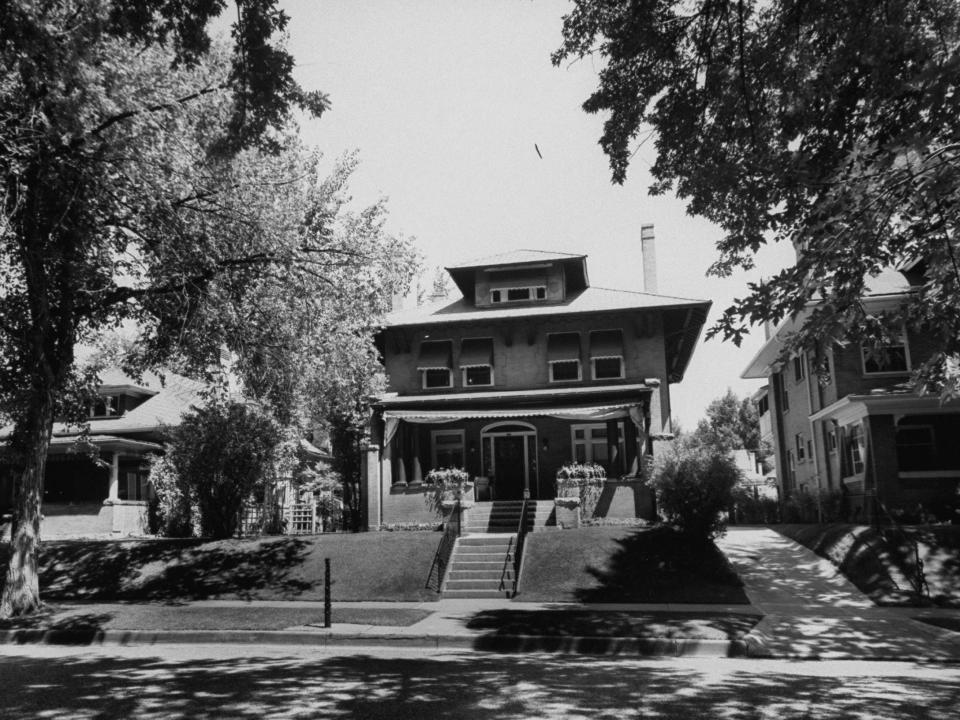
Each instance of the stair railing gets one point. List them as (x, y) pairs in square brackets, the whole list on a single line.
[(441, 559), (917, 579), (517, 551)]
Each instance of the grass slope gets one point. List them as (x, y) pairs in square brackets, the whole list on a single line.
[(881, 564), (624, 565), (364, 566)]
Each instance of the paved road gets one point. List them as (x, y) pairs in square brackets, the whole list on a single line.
[(285, 682)]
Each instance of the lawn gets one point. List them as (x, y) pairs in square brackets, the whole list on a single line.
[(880, 563), (152, 617), (625, 565), (364, 566)]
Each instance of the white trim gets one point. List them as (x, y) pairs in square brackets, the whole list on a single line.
[(505, 291), (423, 379), (593, 367), (579, 378), (887, 373), (463, 376)]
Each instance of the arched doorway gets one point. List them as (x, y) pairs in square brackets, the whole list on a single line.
[(509, 459)]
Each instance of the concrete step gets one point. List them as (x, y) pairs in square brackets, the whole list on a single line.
[(470, 594), (493, 584), (485, 539)]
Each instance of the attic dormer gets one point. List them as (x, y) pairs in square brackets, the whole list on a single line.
[(524, 277)]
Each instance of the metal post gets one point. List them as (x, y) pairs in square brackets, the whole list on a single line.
[(326, 592)]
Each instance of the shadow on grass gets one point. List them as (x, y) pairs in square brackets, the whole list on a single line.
[(475, 685), (660, 565), (171, 569)]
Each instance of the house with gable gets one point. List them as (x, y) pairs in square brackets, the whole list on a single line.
[(100, 487), (531, 369), (862, 431)]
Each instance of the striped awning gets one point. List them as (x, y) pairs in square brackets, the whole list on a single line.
[(563, 346), (435, 355), (476, 352), (592, 412), (606, 344)]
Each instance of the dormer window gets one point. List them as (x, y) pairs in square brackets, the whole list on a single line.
[(518, 294), (606, 354), (436, 364), (105, 406)]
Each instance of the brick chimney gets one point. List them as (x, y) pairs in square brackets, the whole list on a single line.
[(648, 248)]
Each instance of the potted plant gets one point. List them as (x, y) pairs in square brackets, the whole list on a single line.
[(450, 485), (578, 484)]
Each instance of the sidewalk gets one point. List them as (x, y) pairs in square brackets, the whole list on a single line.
[(812, 611), (808, 611)]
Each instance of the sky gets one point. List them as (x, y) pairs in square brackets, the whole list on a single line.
[(445, 103)]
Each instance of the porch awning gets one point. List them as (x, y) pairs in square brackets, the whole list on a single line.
[(71, 444), (476, 352), (593, 412), (606, 344), (435, 355), (563, 346)]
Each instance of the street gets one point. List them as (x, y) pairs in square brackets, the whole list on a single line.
[(242, 681)]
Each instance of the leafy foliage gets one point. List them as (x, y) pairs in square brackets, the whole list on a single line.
[(224, 452), (829, 125), (173, 505), (694, 486)]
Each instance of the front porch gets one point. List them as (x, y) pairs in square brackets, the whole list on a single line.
[(509, 454)]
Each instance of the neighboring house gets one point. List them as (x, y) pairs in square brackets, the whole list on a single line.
[(531, 369), (107, 493), (862, 430)]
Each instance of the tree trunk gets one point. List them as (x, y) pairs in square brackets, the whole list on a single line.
[(21, 589)]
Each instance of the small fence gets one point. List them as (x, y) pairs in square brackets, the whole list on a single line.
[(279, 518)]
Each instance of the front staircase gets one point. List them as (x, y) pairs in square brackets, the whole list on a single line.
[(482, 564)]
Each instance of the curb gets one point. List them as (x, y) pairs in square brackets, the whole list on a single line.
[(584, 645)]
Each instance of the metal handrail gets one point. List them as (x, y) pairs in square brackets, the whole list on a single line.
[(441, 558), (518, 550), (919, 579)]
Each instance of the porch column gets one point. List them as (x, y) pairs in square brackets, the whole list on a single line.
[(417, 471), (371, 485), (113, 493), (613, 449)]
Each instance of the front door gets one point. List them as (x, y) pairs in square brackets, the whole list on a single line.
[(509, 459)]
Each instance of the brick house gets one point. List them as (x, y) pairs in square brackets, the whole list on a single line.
[(106, 493), (862, 431), (530, 369)]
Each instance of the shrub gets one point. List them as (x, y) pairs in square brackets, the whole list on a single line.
[(224, 452), (694, 486), (818, 506), (171, 509), (753, 510)]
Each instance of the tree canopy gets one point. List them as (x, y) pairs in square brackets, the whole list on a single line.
[(829, 125), (149, 176)]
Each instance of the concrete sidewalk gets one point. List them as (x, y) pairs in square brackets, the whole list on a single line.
[(812, 611)]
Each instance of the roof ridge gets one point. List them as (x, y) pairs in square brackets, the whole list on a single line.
[(644, 292), (483, 259)]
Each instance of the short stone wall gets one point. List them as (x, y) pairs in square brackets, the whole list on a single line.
[(625, 498), (129, 517), (61, 520)]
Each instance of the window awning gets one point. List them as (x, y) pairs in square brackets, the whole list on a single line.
[(436, 355), (606, 344), (563, 346), (476, 352)]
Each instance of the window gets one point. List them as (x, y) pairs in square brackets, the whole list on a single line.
[(564, 370), (446, 448), (518, 294), (832, 441), (590, 443), (563, 357), (133, 479), (763, 405), (791, 469), (916, 448), (105, 406), (887, 359), (606, 354), (782, 391), (856, 449), (476, 362), (801, 446), (435, 364), (799, 368)]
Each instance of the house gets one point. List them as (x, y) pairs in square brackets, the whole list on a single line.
[(100, 488), (532, 368), (862, 431)]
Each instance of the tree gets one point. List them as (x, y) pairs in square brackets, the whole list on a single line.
[(731, 423), (224, 452), (127, 140), (829, 125)]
